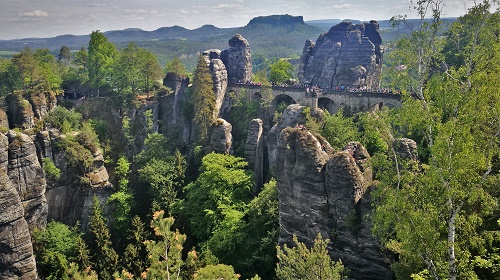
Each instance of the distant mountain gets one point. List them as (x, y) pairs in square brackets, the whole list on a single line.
[(118, 36)]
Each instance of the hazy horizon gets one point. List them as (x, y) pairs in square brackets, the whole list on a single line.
[(50, 18)]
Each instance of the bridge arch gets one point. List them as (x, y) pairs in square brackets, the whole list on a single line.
[(282, 99), (256, 96), (328, 105)]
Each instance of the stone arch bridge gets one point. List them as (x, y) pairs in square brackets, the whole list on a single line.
[(330, 100)]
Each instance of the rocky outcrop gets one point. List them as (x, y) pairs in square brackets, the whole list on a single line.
[(25, 111), (41, 103), (292, 116), (238, 60), (69, 198), (254, 148), (221, 138), (326, 193), (26, 173), (219, 77), (406, 148), (170, 109), (4, 121), (348, 54), (16, 251), (19, 112), (228, 66)]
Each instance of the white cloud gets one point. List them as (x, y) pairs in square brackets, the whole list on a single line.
[(97, 5), (36, 13)]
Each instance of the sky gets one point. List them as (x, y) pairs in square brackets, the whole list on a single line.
[(49, 18)]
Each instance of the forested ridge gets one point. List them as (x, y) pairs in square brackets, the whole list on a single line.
[(179, 211)]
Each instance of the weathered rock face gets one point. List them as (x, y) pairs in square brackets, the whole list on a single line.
[(221, 137), (254, 152), (292, 116), (4, 121), (219, 77), (26, 173), (406, 148), (19, 111), (238, 60), (327, 194), (41, 103), (303, 203), (68, 199), (24, 111), (16, 251), (348, 54), (170, 109)]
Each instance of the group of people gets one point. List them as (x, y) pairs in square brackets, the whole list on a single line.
[(317, 89)]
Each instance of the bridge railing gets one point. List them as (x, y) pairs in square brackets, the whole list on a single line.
[(314, 91)]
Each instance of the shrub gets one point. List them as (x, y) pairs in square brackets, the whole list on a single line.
[(51, 170)]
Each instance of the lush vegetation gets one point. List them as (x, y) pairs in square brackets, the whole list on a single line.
[(193, 214)]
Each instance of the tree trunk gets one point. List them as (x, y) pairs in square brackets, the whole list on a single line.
[(452, 266)]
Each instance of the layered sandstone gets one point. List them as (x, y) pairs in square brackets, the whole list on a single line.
[(327, 192), (16, 251), (221, 138), (238, 60), (347, 55)]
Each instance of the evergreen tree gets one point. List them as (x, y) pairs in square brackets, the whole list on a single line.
[(104, 256), (302, 263), (65, 55), (203, 101), (166, 253), (135, 257)]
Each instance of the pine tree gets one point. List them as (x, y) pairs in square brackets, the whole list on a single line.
[(302, 263), (203, 100), (104, 256), (135, 257)]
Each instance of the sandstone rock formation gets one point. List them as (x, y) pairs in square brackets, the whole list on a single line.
[(68, 198), (292, 116), (219, 77), (254, 148), (328, 194), (16, 251), (4, 121), (170, 109), (238, 60), (26, 174), (406, 148), (228, 66), (348, 54), (19, 111), (221, 138), (24, 111)]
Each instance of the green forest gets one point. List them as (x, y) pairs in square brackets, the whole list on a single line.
[(184, 213)]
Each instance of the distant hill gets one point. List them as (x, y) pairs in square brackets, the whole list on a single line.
[(269, 36)]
